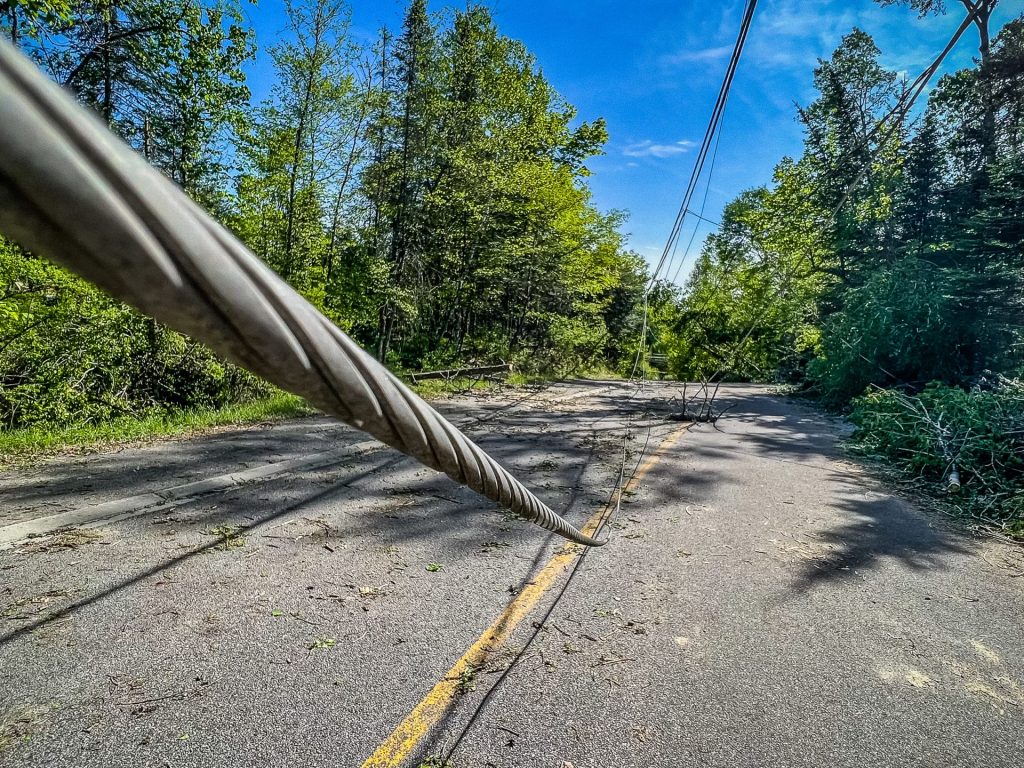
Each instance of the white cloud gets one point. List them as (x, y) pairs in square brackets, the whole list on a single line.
[(648, 148), (697, 56)]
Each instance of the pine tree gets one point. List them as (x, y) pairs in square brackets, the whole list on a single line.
[(406, 168)]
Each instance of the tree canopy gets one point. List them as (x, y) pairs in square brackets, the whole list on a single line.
[(427, 192), (889, 257)]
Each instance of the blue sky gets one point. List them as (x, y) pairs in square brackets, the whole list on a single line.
[(652, 69)]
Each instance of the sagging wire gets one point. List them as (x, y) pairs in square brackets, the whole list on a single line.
[(899, 111)]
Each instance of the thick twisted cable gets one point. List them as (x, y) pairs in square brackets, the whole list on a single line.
[(73, 191)]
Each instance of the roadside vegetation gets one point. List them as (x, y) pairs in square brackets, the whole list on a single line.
[(426, 191), (898, 297), (967, 442), (24, 445)]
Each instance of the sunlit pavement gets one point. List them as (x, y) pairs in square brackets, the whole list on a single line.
[(761, 602)]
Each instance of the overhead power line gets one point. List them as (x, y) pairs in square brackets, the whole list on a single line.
[(706, 220), (709, 134), (889, 123)]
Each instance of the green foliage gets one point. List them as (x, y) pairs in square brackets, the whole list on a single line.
[(751, 304), (479, 210), (199, 101), (883, 258), (71, 355), (427, 194), (903, 326), (879, 256), (22, 20), (979, 432), (25, 444)]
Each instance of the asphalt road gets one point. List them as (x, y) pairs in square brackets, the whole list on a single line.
[(761, 602)]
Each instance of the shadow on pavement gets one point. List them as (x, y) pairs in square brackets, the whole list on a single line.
[(874, 527), (879, 528), (251, 524), (449, 509)]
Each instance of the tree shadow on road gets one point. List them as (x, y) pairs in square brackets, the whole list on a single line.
[(442, 508), (877, 529), (251, 524), (873, 526)]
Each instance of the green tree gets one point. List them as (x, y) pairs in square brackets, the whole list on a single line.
[(429, 196), (405, 168), (199, 100), (851, 173), (167, 76), (298, 146)]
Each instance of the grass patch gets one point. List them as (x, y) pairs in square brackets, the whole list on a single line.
[(230, 537), (440, 388), (467, 680), (601, 372), (25, 446), (22, 446), (595, 373)]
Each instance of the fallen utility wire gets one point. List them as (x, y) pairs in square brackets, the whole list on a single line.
[(71, 190), (614, 503), (612, 507)]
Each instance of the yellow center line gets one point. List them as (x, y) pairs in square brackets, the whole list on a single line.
[(418, 723)]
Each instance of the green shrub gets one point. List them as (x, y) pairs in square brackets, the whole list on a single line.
[(980, 433), (902, 326), (70, 355)]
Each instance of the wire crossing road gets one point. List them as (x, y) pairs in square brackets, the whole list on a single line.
[(761, 602)]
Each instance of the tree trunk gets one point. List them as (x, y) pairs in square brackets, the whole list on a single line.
[(349, 166), (399, 239), (319, 29), (106, 106), (983, 10)]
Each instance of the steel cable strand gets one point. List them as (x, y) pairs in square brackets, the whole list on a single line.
[(72, 191)]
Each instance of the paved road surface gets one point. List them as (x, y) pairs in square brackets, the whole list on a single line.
[(761, 603)]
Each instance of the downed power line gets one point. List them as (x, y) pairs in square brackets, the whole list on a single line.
[(71, 190)]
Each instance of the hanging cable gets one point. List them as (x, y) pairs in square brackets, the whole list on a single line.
[(703, 205), (705, 147), (887, 126), (71, 190)]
